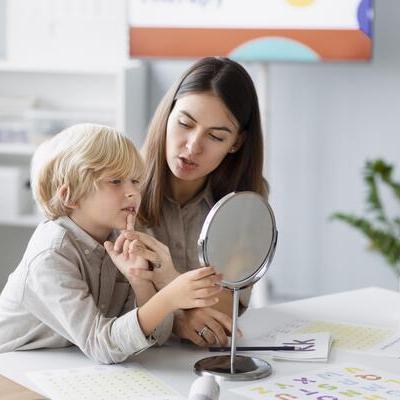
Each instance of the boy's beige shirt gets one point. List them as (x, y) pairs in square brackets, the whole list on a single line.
[(66, 290)]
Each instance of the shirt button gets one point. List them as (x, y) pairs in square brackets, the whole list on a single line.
[(86, 251)]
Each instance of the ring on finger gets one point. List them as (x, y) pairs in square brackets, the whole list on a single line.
[(202, 331)]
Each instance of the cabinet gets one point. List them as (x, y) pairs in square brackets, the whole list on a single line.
[(61, 97)]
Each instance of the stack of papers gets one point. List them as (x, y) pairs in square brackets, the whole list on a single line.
[(309, 347)]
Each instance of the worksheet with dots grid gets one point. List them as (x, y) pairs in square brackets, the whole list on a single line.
[(354, 337), (102, 383)]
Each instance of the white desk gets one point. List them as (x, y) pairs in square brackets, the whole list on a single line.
[(173, 363)]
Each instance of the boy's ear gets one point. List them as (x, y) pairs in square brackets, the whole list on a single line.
[(63, 193), (239, 141)]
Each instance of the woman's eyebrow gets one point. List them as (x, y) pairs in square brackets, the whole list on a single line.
[(219, 128)]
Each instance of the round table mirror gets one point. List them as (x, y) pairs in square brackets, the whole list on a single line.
[(238, 238)]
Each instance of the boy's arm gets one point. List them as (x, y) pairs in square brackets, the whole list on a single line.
[(56, 295), (198, 288), (143, 290)]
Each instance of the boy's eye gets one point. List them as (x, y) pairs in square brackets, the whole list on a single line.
[(135, 181), (116, 181)]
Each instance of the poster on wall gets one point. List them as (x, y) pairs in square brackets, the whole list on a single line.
[(252, 30)]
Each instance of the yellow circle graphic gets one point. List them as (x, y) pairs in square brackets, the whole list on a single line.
[(300, 3)]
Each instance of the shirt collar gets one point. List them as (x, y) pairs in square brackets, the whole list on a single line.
[(205, 194), (87, 243)]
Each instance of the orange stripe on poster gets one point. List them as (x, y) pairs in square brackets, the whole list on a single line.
[(185, 42)]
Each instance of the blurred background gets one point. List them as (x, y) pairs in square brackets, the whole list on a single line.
[(328, 81)]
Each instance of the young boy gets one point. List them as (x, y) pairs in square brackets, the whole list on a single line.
[(73, 286)]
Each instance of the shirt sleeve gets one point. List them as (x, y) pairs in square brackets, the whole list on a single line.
[(56, 294), (163, 331)]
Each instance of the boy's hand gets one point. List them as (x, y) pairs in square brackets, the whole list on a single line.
[(124, 253), (155, 252), (197, 288)]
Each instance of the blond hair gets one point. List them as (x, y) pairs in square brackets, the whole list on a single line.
[(76, 159)]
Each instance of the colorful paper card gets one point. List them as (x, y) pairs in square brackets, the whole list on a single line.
[(335, 383)]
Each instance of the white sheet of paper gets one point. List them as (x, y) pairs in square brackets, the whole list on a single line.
[(102, 382), (314, 347)]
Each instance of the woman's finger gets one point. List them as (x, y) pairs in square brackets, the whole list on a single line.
[(197, 339), (208, 336), (218, 331), (221, 318), (148, 240), (144, 252)]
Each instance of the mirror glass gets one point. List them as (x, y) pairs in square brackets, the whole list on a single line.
[(238, 237)]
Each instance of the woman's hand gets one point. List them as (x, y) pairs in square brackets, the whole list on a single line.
[(189, 323), (153, 251)]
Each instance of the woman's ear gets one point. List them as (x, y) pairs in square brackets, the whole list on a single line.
[(63, 193), (239, 141)]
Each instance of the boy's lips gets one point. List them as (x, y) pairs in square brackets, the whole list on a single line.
[(131, 210)]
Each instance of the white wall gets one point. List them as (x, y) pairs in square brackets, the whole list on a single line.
[(326, 120), (2, 28)]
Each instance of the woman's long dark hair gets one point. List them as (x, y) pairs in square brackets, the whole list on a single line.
[(239, 171)]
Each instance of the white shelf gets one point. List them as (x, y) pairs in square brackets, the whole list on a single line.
[(16, 149), (25, 221), (7, 66)]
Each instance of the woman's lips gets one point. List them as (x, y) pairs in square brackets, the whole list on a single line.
[(186, 165)]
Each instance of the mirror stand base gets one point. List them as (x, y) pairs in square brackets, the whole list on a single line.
[(244, 368)]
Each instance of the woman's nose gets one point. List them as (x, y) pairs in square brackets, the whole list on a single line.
[(193, 143)]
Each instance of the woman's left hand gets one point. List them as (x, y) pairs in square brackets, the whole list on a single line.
[(203, 326)]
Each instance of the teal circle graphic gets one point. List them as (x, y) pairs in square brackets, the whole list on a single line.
[(274, 49)]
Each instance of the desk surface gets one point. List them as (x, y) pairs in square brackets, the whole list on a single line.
[(173, 363)]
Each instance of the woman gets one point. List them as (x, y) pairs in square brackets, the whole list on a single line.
[(204, 141)]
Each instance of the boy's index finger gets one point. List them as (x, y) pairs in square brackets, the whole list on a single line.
[(130, 226)]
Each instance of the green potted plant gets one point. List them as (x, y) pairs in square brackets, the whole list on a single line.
[(382, 230)]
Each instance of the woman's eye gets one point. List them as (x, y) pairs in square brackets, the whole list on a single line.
[(115, 181), (217, 138), (135, 181), (181, 123)]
